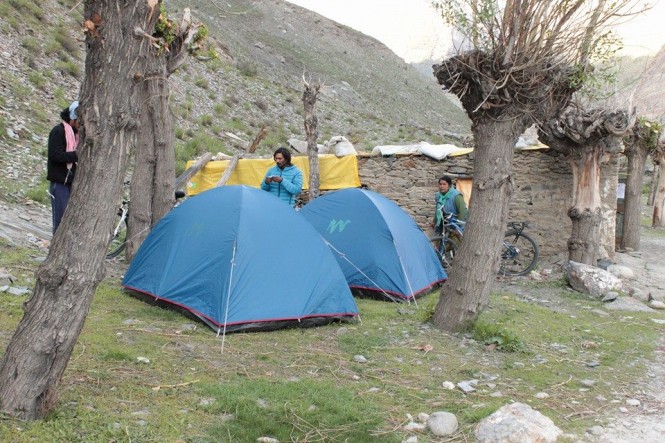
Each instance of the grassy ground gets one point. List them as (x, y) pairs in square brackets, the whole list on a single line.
[(304, 385)]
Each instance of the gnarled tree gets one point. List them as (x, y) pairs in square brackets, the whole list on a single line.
[(42, 344), (588, 136), (152, 187), (658, 156), (641, 140), (519, 64)]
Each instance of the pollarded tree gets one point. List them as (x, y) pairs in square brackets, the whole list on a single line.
[(520, 63), (588, 136), (641, 140), (658, 156), (152, 187), (42, 344)]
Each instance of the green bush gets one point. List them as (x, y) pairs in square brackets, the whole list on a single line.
[(202, 83), (206, 120), (193, 148), (37, 79), (248, 69), (493, 334), (31, 44), (69, 67), (219, 109)]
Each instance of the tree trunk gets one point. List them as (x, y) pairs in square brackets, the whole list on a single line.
[(152, 190), (466, 292), (42, 344), (657, 221), (585, 213), (637, 157), (653, 185), (311, 129)]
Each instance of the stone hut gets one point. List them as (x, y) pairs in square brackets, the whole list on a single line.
[(542, 195)]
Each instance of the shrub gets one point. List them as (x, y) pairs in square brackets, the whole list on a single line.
[(37, 79), (193, 148), (31, 44), (39, 193), (202, 83), (248, 69), (493, 334), (206, 120), (69, 67), (219, 109)]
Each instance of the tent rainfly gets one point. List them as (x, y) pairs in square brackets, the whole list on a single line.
[(240, 259), (377, 244)]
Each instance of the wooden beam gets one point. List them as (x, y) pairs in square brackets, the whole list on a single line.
[(229, 170), (184, 178)]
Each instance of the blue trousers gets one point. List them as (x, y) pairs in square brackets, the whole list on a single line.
[(59, 199)]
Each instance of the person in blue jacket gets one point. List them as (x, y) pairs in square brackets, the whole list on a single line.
[(283, 180)]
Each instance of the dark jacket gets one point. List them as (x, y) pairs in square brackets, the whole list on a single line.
[(58, 157)]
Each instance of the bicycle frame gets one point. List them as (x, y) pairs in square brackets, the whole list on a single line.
[(124, 209)]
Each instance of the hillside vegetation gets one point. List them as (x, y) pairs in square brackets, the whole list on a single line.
[(265, 50)]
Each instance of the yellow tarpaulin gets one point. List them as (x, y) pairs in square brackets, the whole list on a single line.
[(335, 172)]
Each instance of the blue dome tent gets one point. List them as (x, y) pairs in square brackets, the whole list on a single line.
[(377, 244), (240, 259)]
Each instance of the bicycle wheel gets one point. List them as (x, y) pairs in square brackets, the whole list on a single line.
[(445, 248), (519, 254), (117, 241)]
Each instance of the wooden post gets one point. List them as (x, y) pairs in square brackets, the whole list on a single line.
[(229, 170), (182, 180), (311, 124), (260, 136)]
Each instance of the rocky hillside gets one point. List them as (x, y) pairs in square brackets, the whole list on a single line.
[(265, 49)]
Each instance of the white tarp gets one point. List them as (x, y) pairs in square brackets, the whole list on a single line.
[(437, 152)]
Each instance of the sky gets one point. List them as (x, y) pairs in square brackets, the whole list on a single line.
[(415, 32)]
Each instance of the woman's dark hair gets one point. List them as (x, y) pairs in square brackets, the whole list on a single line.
[(285, 153), (447, 179), (64, 115)]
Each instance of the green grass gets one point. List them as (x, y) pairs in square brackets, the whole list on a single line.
[(304, 385), (39, 192)]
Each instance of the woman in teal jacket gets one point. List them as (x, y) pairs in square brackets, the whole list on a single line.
[(450, 201), (283, 180)]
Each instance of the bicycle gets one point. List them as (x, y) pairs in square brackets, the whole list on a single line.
[(118, 239), (519, 252), (448, 242)]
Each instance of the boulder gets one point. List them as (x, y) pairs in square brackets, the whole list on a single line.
[(622, 272), (442, 423), (517, 423), (590, 279)]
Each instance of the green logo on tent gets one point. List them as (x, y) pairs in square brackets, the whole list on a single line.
[(340, 225)]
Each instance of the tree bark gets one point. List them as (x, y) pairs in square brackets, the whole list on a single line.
[(466, 292), (657, 221), (152, 192), (40, 349), (653, 185), (585, 213), (311, 129), (152, 189), (637, 157)]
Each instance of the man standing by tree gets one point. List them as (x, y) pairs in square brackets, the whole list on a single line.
[(61, 163)]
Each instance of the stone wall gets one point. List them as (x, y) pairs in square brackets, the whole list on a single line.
[(542, 196)]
